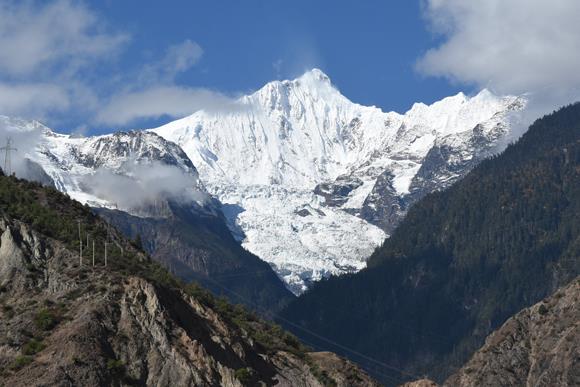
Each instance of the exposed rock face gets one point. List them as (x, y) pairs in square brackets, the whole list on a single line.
[(65, 325), (336, 193), (420, 383), (384, 207), (537, 347)]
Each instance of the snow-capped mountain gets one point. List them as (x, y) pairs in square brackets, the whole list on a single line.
[(131, 171), (310, 181), (313, 182), (149, 189)]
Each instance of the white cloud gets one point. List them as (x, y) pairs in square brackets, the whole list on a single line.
[(143, 182), (25, 142), (36, 99), (510, 46), (178, 58), (158, 101), (181, 57), (49, 54), (35, 37)]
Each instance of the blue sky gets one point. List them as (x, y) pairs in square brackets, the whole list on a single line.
[(368, 48), (98, 66)]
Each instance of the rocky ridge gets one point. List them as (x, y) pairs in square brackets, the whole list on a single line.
[(539, 346), (129, 323), (536, 347)]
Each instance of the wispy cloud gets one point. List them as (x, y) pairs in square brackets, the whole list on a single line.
[(178, 58), (154, 93), (46, 51), (158, 101), (32, 99)]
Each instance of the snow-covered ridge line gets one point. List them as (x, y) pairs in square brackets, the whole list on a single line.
[(131, 171), (311, 182), (314, 181)]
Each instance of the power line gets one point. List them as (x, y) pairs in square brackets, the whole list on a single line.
[(219, 276), (443, 339), (316, 335)]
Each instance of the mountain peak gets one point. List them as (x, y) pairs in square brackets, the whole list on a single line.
[(302, 143), (315, 74), (311, 88)]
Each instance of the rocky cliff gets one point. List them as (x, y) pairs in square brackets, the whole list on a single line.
[(539, 346), (536, 347), (70, 322)]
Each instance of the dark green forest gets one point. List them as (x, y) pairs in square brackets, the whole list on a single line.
[(462, 262)]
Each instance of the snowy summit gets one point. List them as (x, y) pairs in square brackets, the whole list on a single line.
[(312, 182)]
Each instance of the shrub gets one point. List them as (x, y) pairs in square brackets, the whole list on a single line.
[(245, 375), (45, 319), (322, 376), (33, 347), (116, 367), (542, 310), (21, 361), (8, 311)]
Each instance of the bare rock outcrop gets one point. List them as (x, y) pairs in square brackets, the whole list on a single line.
[(64, 325), (536, 347), (420, 383)]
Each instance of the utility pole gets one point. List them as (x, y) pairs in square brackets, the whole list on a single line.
[(80, 244), (106, 242), (93, 253), (7, 160)]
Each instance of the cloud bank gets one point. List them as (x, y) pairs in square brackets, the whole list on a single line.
[(25, 138), (159, 101), (509, 46), (143, 183), (37, 37), (51, 54)]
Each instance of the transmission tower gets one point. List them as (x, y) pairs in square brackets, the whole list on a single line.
[(7, 159)]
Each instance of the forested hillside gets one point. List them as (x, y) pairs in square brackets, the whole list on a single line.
[(462, 261), (125, 321), (198, 247)]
